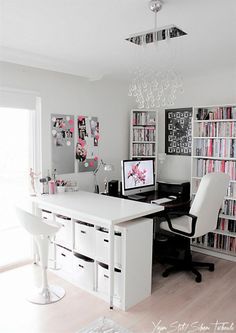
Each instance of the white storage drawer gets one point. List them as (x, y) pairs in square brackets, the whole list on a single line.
[(46, 215), (64, 259), (102, 247), (103, 281), (64, 235), (83, 271), (85, 239)]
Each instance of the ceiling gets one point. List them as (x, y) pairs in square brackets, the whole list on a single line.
[(87, 37)]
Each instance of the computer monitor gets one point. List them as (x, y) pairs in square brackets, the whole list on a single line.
[(137, 177)]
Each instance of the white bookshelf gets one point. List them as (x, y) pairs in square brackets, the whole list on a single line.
[(214, 149), (143, 135)]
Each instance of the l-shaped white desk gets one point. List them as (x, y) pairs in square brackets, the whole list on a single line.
[(100, 210)]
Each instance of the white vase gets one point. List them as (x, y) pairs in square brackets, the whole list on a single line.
[(61, 189)]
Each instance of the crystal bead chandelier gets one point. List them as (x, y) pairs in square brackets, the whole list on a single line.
[(149, 87)]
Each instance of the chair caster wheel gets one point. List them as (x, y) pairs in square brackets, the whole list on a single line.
[(165, 274), (211, 268), (198, 279)]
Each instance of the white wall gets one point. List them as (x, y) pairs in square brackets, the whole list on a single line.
[(67, 94), (108, 100)]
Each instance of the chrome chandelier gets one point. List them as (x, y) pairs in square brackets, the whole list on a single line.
[(149, 87)]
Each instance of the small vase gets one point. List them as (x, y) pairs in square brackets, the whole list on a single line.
[(61, 189)]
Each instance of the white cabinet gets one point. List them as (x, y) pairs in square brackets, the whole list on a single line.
[(84, 239), (64, 259), (86, 265), (64, 236), (104, 280), (102, 246), (83, 271)]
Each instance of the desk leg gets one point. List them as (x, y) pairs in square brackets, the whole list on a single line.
[(111, 265)]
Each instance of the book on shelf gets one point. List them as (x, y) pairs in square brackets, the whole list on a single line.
[(223, 129), (216, 113), (226, 225), (143, 149), (222, 148), (142, 118), (144, 134), (204, 166), (217, 242)]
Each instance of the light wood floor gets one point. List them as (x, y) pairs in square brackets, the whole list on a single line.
[(177, 298)]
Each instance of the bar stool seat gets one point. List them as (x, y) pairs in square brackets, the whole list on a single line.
[(41, 231)]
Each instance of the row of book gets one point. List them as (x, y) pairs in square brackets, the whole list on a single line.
[(226, 225), (144, 134), (143, 149), (223, 148), (204, 166), (215, 113), (217, 241), (229, 207), (143, 118), (231, 191), (227, 129)]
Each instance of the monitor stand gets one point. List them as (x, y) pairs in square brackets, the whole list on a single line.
[(136, 197)]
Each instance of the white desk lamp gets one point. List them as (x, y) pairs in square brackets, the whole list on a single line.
[(106, 167)]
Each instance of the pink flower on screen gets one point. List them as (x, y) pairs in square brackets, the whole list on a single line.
[(138, 175), (72, 129), (71, 121), (81, 142), (95, 158)]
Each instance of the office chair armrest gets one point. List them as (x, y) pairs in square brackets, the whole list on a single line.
[(183, 233)]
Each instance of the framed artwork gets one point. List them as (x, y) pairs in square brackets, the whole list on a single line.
[(178, 131), (87, 146), (62, 143)]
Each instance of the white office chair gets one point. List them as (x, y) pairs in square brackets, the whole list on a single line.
[(202, 218), (41, 231)]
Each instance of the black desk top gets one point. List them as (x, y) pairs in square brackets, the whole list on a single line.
[(177, 203)]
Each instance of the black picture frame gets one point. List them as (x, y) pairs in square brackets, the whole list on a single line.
[(178, 131)]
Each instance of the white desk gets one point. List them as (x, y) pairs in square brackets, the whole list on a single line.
[(97, 209)]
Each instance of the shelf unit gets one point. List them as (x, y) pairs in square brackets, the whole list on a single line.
[(143, 135), (214, 149), (79, 254)]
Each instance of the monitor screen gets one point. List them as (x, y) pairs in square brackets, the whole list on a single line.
[(137, 176)]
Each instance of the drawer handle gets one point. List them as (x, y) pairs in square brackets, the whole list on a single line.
[(106, 276), (63, 254), (106, 240), (83, 232), (81, 266)]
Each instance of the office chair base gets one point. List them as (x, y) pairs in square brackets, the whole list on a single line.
[(51, 295), (182, 266)]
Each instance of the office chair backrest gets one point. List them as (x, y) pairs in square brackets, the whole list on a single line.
[(34, 224), (208, 201)]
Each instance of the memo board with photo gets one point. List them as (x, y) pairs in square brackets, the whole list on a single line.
[(178, 131)]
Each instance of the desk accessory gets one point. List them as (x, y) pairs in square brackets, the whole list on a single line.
[(106, 167)]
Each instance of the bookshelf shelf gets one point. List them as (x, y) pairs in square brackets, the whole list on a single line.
[(219, 253), (143, 135), (215, 158), (213, 137), (228, 217), (214, 121), (224, 232), (214, 150)]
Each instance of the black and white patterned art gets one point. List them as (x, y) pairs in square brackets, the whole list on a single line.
[(178, 139)]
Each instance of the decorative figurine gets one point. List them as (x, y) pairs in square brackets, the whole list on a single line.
[(33, 176)]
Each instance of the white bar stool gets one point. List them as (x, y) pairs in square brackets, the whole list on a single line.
[(41, 231)]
